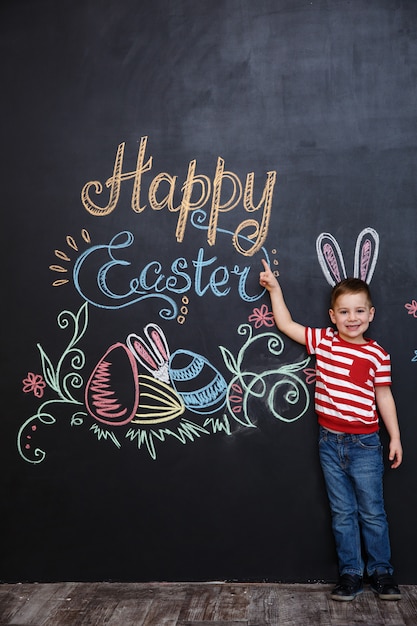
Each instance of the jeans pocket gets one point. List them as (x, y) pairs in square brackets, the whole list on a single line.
[(370, 442)]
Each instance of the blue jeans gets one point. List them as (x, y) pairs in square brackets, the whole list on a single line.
[(353, 468)]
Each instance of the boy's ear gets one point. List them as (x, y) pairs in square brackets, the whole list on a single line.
[(371, 313), (332, 316)]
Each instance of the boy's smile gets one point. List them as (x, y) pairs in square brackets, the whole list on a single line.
[(352, 315)]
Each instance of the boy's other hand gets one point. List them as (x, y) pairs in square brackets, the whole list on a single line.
[(395, 453)]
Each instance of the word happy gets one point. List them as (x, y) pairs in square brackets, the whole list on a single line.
[(198, 191)]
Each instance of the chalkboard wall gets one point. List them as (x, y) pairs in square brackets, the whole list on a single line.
[(155, 424)]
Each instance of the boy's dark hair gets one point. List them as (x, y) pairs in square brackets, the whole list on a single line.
[(350, 285)]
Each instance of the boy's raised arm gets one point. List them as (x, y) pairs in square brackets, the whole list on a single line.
[(282, 316)]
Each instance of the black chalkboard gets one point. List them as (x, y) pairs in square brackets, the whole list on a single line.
[(156, 425)]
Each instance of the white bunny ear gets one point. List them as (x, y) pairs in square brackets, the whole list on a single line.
[(330, 258), (366, 254), (154, 357), (158, 340)]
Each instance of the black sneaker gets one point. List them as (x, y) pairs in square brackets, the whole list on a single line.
[(349, 586), (385, 586)]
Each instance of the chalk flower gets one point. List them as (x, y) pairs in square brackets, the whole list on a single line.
[(262, 317), (236, 398), (311, 375), (412, 308), (34, 383)]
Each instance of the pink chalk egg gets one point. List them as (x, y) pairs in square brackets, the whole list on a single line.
[(112, 391)]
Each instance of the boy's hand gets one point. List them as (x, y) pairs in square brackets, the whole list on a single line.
[(395, 453), (267, 278)]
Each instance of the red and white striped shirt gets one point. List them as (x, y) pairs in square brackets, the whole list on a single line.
[(347, 374)]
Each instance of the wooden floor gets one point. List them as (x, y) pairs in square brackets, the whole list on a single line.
[(197, 604)]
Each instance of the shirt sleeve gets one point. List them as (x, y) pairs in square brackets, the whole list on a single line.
[(313, 338), (383, 373)]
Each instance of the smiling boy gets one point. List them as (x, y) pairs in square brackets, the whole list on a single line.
[(353, 378)]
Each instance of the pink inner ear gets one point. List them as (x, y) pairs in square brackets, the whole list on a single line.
[(144, 354), (331, 260), (157, 341), (365, 258)]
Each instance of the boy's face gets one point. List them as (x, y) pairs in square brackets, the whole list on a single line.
[(352, 315)]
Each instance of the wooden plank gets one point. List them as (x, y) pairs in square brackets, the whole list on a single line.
[(74, 609), (130, 611), (163, 612), (199, 603), (120, 603), (232, 604), (12, 599), (262, 604), (38, 601), (216, 623), (295, 602), (408, 605)]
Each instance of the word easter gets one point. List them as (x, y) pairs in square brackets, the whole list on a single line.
[(111, 291), (194, 185)]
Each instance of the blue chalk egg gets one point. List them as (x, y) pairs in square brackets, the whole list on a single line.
[(201, 386)]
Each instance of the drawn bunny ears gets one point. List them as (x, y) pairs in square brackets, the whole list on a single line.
[(155, 356), (331, 258)]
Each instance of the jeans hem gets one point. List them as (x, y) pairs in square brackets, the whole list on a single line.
[(352, 572)]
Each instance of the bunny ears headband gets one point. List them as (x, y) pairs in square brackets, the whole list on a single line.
[(331, 258)]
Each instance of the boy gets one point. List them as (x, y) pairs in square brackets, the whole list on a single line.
[(353, 378)]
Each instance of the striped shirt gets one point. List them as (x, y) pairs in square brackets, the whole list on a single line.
[(347, 374)]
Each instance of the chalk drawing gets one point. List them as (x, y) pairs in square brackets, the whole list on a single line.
[(64, 257), (412, 308), (34, 383), (331, 258), (64, 379), (139, 393), (267, 385)]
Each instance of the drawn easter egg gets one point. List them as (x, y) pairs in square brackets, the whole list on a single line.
[(112, 391), (158, 402), (201, 386)]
